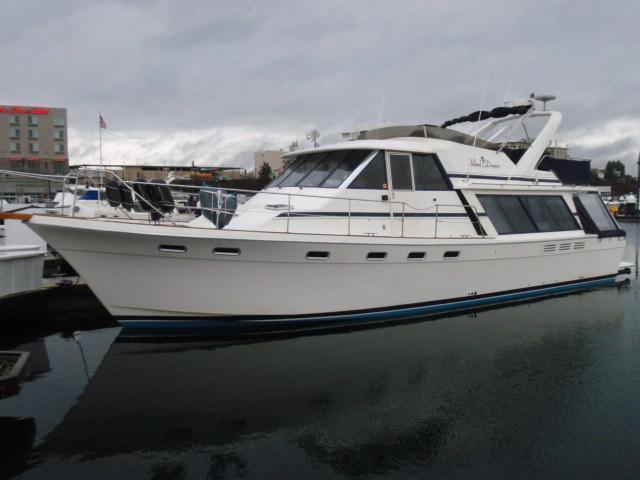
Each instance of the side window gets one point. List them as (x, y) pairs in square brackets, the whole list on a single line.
[(549, 213), (507, 214), (561, 213), (595, 216), (495, 214), (516, 215), (426, 173), (528, 213), (374, 176), (400, 171)]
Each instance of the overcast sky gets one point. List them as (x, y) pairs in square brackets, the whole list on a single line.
[(210, 82)]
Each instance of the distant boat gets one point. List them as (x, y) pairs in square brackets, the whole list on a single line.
[(625, 208)]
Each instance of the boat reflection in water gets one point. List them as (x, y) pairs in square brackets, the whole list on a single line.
[(508, 391)]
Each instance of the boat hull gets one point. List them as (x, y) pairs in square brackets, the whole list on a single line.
[(272, 282)]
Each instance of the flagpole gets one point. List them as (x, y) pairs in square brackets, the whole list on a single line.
[(101, 172), (100, 131)]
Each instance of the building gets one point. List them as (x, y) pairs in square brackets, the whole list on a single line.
[(604, 191), (32, 140), (273, 158)]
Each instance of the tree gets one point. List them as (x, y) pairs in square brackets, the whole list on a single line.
[(595, 178), (613, 170), (265, 172)]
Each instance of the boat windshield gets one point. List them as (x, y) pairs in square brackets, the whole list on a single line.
[(322, 169)]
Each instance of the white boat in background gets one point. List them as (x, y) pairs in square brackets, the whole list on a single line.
[(22, 255), (395, 222)]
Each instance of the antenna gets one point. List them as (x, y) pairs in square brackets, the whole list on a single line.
[(507, 92), (484, 96), (381, 116), (544, 99)]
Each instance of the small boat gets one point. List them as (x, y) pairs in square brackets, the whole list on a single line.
[(627, 209), (22, 256), (394, 222)]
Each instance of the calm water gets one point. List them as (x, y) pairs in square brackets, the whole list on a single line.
[(549, 389)]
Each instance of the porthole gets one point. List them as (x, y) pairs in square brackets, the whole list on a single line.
[(451, 254), (226, 251), (317, 255), (172, 248), (376, 256), (416, 256)]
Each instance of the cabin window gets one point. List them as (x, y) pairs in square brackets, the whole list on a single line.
[(301, 169), (427, 174), (507, 214), (528, 213), (401, 172), (276, 182), (595, 216), (323, 169), (374, 176), (416, 255), (348, 165), (549, 213)]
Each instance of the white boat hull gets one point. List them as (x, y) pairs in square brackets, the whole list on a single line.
[(21, 259), (271, 281)]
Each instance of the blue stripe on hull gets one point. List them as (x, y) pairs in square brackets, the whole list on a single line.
[(375, 316)]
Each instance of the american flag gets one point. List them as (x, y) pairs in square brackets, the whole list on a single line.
[(103, 124)]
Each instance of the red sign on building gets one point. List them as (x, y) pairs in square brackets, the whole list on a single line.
[(25, 110)]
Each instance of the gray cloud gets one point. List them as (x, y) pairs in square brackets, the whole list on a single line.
[(164, 68)]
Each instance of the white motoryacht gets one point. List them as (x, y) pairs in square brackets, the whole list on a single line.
[(394, 222)]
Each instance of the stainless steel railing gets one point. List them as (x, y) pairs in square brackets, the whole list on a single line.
[(398, 213)]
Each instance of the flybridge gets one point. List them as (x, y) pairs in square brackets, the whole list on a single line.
[(517, 108), (25, 110), (420, 131), (501, 122)]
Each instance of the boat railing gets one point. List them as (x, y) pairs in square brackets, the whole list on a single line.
[(398, 214), (27, 200), (102, 175), (223, 203)]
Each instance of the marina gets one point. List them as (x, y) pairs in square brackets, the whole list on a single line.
[(330, 240), (529, 391), (494, 315)]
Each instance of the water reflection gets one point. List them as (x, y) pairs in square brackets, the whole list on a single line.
[(490, 393), (17, 436)]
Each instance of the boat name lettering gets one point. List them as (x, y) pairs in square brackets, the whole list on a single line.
[(482, 163)]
